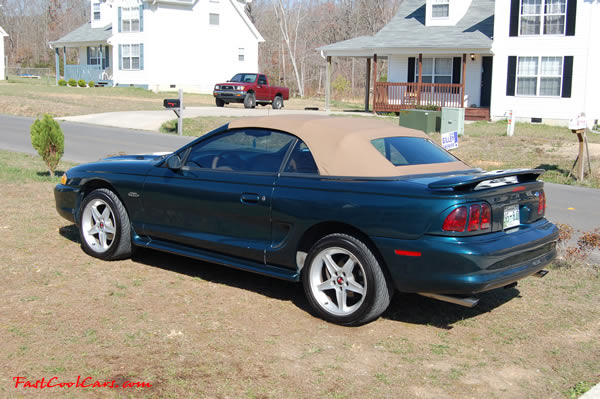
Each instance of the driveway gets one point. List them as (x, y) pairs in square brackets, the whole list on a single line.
[(152, 120)]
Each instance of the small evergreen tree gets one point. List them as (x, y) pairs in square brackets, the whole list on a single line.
[(48, 140)]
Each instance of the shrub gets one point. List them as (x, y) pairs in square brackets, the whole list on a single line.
[(62, 82), (91, 83), (82, 83), (72, 83), (48, 140)]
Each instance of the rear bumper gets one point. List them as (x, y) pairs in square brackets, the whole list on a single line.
[(66, 201), (230, 96), (468, 265)]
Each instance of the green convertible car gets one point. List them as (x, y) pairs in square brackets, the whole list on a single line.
[(353, 208)]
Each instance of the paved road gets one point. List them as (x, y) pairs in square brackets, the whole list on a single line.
[(87, 143), (152, 120), (576, 206)]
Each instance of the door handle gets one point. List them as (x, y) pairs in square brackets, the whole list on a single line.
[(247, 198)]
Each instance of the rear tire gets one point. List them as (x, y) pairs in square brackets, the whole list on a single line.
[(277, 102), (104, 226), (249, 101), (343, 281), (220, 103)]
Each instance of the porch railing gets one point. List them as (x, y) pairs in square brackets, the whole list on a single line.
[(85, 72), (395, 97)]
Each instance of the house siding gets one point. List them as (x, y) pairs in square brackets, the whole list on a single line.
[(182, 49), (585, 83)]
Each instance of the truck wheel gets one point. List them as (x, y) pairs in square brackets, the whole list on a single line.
[(220, 103), (277, 102), (249, 101)]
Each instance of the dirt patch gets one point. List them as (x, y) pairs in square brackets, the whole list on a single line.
[(193, 329)]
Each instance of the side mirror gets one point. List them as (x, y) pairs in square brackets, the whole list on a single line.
[(174, 162)]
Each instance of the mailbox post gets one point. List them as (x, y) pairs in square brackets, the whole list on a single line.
[(176, 105), (578, 126)]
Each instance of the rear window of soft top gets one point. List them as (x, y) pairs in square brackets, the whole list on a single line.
[(403, 151)]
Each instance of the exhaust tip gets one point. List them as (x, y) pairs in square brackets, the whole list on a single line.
[(468, 302), (541, 273)]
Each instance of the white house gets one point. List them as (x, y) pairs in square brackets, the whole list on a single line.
[(534, 57), (3, 34), (163, 44)]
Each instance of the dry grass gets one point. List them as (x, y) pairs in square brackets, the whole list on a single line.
[(552, 148), (194, 329), (27, 98)]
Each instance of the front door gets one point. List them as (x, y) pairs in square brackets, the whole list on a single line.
[(263, 92), (486, 81), (221, 199)]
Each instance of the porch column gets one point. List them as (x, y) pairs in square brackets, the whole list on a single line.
[(420, 80), (374, 81), (464, 77), (57, 63), (65, 61), (328, 85), (368, 85)]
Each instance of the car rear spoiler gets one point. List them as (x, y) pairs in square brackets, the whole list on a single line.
[(496, 178)]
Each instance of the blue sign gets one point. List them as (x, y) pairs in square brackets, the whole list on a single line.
[(450, 140)]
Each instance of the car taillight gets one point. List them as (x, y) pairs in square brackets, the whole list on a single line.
[(474, 217), (456, 220), (478, 217), (542, 203), (486, 217)]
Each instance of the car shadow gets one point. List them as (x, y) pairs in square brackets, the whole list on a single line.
[(554, 168), (406, 308)]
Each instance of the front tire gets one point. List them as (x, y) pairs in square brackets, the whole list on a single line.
[(343, 281), (249, 101), (220, 103), (104, 226)]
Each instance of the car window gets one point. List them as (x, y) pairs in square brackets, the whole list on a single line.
[(301, 160), (247, 150), (262, 80), (401, 151), (244, 77)]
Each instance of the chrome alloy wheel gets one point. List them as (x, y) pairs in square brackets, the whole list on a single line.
[(337, 281), (98, 225)]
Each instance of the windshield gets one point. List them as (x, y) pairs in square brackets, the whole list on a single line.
[(244, 78)]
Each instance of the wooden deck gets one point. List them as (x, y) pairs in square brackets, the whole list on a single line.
[(396, 97), (477, 114)]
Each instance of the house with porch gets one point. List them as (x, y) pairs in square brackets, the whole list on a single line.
[(531, 57), (3, 34), (161, 44)]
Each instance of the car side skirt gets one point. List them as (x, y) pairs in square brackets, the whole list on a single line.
[(198, 254)]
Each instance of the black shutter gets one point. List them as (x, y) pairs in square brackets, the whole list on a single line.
[(567, 77), (89, 56), (106, 57), (511, 76), (411, 69), (456, 62), (515, 13), (571, 17)]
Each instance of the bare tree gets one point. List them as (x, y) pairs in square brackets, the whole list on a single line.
[(284, 18)]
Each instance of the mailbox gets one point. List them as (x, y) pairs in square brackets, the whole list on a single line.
[(172, 103)]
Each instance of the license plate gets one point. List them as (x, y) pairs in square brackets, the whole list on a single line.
[(512, 217)]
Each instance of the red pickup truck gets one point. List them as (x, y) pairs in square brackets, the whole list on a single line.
[(250, 89)]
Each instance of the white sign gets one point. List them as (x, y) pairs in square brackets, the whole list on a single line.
[(450, 140), (578, 123)]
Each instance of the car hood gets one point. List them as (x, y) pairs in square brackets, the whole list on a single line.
[(121, 164)]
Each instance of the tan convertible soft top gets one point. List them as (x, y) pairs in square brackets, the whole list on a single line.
[(342, 146)]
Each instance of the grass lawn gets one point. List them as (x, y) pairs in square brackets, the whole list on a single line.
[(194, 329), (32, 98)]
